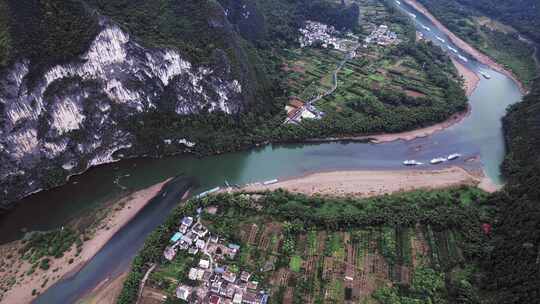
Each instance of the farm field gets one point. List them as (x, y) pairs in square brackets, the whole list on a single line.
[(380, 88), (405, 247)]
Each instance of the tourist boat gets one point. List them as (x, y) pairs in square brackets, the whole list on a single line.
[(426, 28), (412, 15), (437, 160), (453, 156), (399, 3), (463, 58), (486, 75), (440, 39), (412, 163), (452, 49)]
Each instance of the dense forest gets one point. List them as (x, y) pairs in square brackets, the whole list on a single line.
[(48, 32), (513, 264)]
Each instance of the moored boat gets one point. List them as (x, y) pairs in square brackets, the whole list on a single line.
[(454, 156), (463, 58), (452, 49), (440, 39), (437, 160), (486, 75), (412, 162)]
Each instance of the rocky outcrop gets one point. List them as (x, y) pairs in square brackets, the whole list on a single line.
[(68, 120)]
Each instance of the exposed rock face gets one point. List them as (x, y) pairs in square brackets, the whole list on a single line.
[(68, 119)]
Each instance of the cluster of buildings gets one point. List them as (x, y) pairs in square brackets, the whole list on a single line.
[(298, 110), (316, 32), (382, 36), (213, 280)]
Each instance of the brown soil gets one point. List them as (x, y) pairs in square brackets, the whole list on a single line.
[(414, 94)]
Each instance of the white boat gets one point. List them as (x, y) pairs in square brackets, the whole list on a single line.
[(453, 156), (426, 28), (438, 160), (270, 182), (412, 162), (452, 49), (412, 15), (463, 58), (399, 3), (440, 39), (486, 75)]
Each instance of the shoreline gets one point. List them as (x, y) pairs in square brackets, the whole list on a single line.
[(479, 56), (106, 292), (123, 211), (368, 183)]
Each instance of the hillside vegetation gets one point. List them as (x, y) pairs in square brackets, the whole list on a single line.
[(47, 31), (524, 15), (513, 265), (502, 42)]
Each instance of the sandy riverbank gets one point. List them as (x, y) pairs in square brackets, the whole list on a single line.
[(479, 56), (471, 79), (107, 292), (14, 270), (373, 183)]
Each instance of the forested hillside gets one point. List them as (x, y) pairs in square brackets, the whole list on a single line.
[(524, 15), (495, 28), (49, 32), (513, 268)]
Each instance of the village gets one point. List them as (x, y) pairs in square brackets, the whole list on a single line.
[(215, 280), (315, 34), (381, 36)]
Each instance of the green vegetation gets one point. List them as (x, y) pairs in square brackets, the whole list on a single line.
[(39, 247), (353, 237), (53, 243), (5, 39), (47, 31), (512, 271), (295, 263), (523, 14), (383, 89), (466, 19)]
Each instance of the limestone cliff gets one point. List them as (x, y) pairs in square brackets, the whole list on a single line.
[(68, 119)]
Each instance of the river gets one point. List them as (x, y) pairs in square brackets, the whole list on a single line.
[(480, 134)]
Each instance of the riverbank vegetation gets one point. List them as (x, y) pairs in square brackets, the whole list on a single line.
[(502, 42), (32, 258), (328, 250), (513, 265)]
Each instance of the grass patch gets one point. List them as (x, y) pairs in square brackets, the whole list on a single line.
[(295, 263)]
